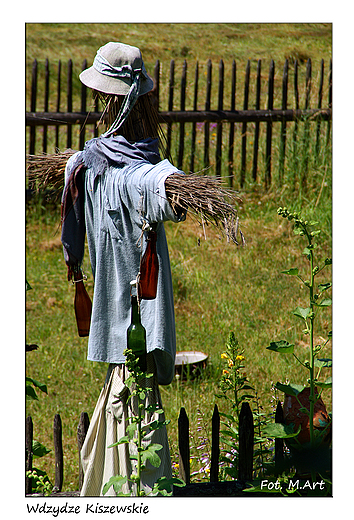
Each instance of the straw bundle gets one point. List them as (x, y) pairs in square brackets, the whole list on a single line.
[(202, 195), (47, 170), (208, 201)]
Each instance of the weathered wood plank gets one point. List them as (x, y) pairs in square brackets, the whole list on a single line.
[(81, 435), (181, 126), (284, 106), (329, 126), (215, 448), (256, 129), (32, 139), (29, 453), (279, 443), (232, 125), (83, 109), (244, 125), (319, 105), (195, 107), (306, 127), (58, 450), (69, 102), (170, 105), (183, 446), (218, 153), (296, 124), (246, 443), (58, 103), (268, 158), (188, 116), (46, 103), (207, 108)]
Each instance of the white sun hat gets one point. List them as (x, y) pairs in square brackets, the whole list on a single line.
[(118, 69)]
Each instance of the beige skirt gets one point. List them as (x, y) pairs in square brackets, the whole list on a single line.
[(108, 425)]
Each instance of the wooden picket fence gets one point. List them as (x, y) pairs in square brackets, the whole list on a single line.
[(212, 488), (227, 121)]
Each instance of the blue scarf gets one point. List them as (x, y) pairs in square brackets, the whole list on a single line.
[(98, 155)]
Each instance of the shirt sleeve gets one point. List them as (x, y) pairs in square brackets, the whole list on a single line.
[(154, 205)]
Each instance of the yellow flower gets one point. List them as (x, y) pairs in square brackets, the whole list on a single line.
[(224, 356), (240, 358), (225, 372), (231, 363)]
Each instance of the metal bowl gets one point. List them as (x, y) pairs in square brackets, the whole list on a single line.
[(190, 363)]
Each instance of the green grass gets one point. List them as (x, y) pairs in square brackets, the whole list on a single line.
[(218, 288)]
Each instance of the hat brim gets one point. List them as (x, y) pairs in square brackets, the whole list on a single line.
[(97, 81)]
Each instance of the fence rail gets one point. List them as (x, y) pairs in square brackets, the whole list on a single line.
[(231, 488), (223, 142)]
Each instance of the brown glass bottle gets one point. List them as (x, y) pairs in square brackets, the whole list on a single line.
[(149, 269), (83, 305)]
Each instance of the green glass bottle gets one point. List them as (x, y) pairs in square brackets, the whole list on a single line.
[(136, 334)]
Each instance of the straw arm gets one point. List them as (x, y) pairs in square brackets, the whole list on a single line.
[(202, 195)]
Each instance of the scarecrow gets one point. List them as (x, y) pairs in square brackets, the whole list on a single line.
[(116, 191)]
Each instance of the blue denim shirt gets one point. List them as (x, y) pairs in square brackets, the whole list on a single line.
[(119, 200)]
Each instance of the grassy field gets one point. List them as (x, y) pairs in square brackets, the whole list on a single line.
[(218, 288)]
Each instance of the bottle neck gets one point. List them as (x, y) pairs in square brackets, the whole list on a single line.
[(152, 236), (135, 314)]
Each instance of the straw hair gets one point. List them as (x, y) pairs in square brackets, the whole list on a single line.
[(142, 122)]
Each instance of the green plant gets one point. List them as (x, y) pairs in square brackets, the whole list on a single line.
[(234, 387), (262, 452), (317, 300), (30, 390), (40, 480), (315, 448), (136, 435), (31, 384)]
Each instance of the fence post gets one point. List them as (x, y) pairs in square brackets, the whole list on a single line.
[(69, 102), (58, 450), (244, 125), (329, 101), (46, 103), (305, 149), (232, 125), (215, 449), (256, 130), (170, 104), (195, 107), (246, 440), (269, 126), (319, 105), (58, 103), (183, 107), (207, 107), (284, 106), (183, 446), (219, 124), (32, 143), (81, 435), (83, 109), (156, 89), (29, 453), (279, 443)]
